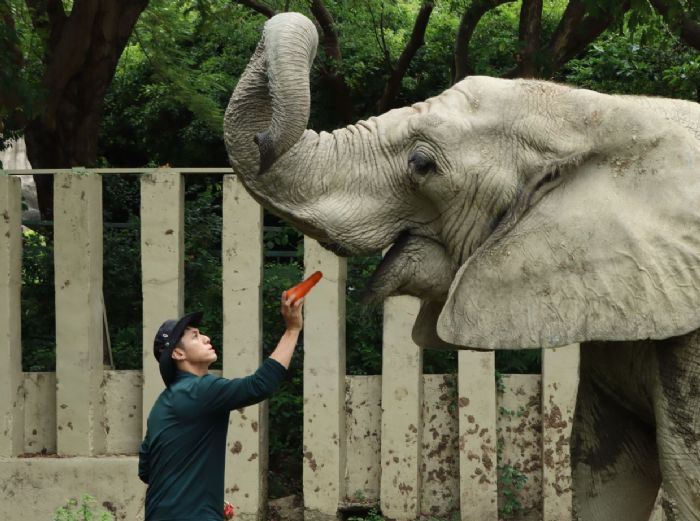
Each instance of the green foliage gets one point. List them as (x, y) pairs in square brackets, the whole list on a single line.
[(122, 269), (519, 361), (372, 515), (500, 384), (510, 482), (363, 326), (645, 61), (203, 275), (173, 82), (21, 68), (38, 305), (83, 511), (286, 405)]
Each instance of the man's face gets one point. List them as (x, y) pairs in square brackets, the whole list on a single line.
[(195, 348)]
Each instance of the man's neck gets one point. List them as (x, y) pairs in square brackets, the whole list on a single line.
[(195, 369)]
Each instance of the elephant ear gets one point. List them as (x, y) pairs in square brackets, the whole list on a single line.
[(424, 332), (611, 253)]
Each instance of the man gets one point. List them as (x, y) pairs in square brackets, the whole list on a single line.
[(182, 456)]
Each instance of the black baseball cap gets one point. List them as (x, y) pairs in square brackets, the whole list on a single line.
[(169, 334)]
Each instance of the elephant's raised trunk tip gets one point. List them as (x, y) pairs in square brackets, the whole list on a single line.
[(267, 150), (271, 104)]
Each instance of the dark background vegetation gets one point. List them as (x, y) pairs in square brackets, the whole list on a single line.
[(157, 93)]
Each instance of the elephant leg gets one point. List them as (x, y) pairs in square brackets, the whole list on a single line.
[(615, 464), (677, 410)]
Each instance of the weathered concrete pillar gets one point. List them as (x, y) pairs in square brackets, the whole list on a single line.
[(402, 405), (324, 385), (162, 267), (11, 377), (560, 376), (79, 313), (477, 436), (242, 265)]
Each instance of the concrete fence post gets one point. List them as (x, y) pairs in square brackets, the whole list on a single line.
[(242, 266), (162, 267), (79, 320), (11, 377), (324, 385), (560, 376), (478, 455), (402, 406)]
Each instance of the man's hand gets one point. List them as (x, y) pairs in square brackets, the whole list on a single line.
[(291, 312)]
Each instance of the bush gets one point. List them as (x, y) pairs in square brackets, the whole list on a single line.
[(72, 511), (38, 306)]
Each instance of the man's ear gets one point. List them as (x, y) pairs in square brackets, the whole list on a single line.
[(178, 353)]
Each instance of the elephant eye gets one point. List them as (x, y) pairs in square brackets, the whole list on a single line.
[(421, 163)]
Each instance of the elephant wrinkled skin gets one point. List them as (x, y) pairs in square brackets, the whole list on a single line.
[(523, 214)]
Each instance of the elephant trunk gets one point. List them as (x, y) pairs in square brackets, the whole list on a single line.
[(271, 103)]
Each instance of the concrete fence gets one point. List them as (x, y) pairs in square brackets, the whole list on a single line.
[(411, 444)]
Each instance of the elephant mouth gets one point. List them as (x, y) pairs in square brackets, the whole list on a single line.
[(415, 265), (339, 250)]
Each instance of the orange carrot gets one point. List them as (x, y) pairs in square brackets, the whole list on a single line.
[(301, 289)]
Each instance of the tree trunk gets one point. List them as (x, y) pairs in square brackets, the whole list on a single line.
[(415, 42), (467, 24), (576, 30), (333, 81), (674, 15), (263, 9), (80, 61), (529, 35)]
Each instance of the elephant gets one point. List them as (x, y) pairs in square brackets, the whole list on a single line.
[(523, 214)]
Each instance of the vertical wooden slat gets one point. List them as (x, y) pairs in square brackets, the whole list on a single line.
[(79, 333), (402, 404), (477, 436), (560, 378), (11, 378), (162, 268), (242, 264), (324, 385)]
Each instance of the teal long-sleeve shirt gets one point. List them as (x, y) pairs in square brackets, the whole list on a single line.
[(182, 456)]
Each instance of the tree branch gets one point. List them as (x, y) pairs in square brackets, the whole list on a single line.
[(415, 42), (379, 36), (334, 82), (529, 36), (330, 42), (258, 7), (67, 56), (577, 29), (48, 17), (679, 21), (470, 19), (46, 13), (385, 47)]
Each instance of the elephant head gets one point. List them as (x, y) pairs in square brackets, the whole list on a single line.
[(522, 213)]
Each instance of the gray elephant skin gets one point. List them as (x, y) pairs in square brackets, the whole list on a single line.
[(523, 214)]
